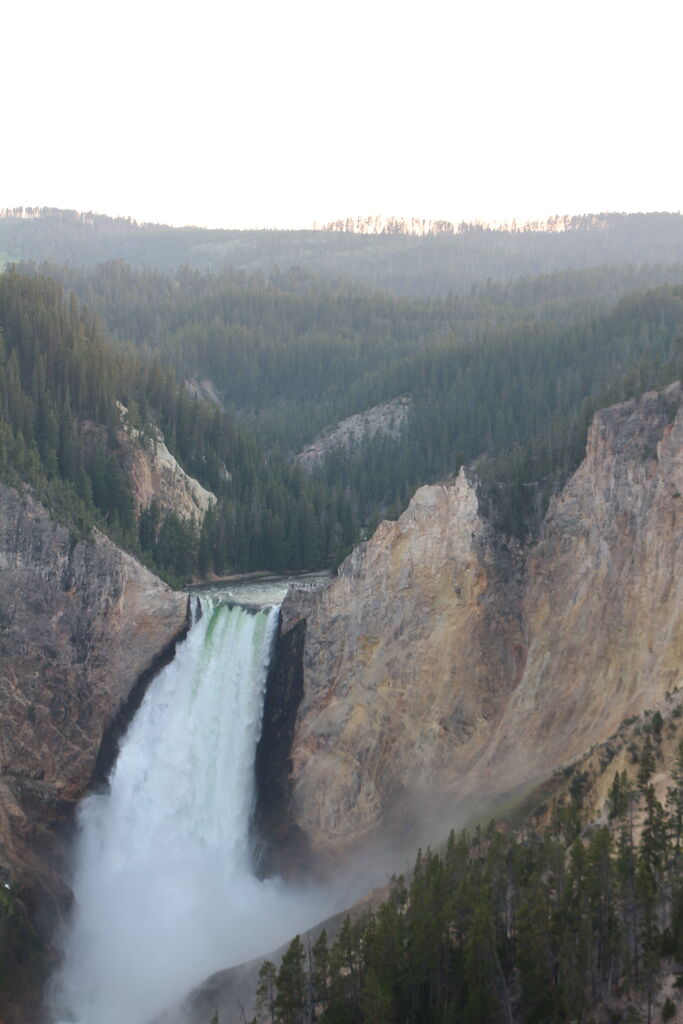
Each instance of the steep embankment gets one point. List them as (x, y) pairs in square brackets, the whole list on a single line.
[(156, 476), (81, 625), (443, 662)]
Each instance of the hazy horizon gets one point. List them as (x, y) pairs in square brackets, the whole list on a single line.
[(266, 116), (539, 222)]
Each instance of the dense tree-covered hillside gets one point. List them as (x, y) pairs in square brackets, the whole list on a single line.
[(435, 262), (298, 353), (60, 431), (507, 375), (568, 921)]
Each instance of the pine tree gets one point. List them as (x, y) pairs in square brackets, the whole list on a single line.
[(675, 797), (647, 765), (266, 992), (375, 1002), (480, 969), (319, 975), (290, 1001)]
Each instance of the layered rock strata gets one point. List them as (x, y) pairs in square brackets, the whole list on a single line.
[(444, 662)]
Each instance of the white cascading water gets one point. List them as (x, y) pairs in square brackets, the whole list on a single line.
[(163, 887)]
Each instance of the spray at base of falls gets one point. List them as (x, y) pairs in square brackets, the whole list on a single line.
[(164, 894)]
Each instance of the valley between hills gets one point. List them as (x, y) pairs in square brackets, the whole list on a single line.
[(493, 477)]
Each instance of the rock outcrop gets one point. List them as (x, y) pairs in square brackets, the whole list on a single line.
[(156, 476), (388, 419), (444, 662), (81, 625), (204, 387)]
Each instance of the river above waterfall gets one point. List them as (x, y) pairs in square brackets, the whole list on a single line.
[(258, 591)]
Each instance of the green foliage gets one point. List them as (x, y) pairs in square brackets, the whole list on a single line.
[(60, 431), (668, 1009), (57, 408), (647, 764), (510, 375), (619, 795), (507, 927), (291, 985), (266, 991)]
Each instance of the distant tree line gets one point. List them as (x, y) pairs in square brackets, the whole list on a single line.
[(410, 258), (379, 224)]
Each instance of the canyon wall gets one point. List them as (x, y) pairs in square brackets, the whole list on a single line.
[(603, 599), (446, 664), (82, 626)]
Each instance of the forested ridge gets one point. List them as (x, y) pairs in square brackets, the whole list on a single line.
[(563, 918), (398, 259), (60, 431), (508, 375), (299, 352)]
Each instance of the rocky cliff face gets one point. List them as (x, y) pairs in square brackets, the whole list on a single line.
[(603, 598), (81, 623), (409, 656), (445, 662)]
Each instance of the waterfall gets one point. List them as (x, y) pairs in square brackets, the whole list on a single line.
[(163, 890)]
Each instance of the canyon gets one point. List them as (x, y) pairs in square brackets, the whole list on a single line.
[(445, 666)]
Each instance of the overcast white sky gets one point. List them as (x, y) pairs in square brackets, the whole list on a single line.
[(279, 114)]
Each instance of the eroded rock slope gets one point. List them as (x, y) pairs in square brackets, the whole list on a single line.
[(156, 476), (445, 662), (603, 597)]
